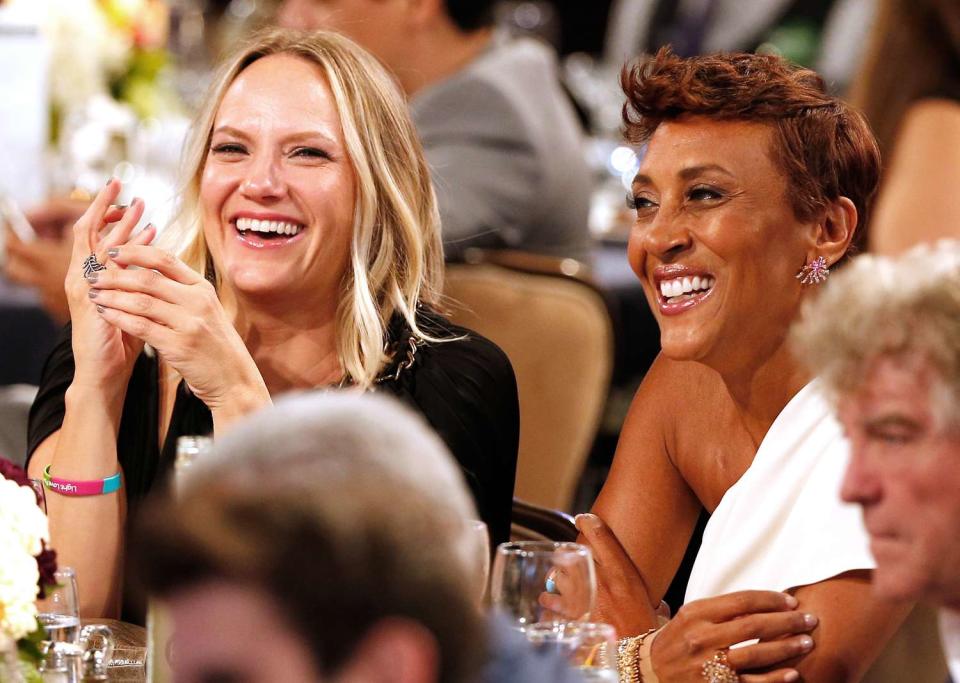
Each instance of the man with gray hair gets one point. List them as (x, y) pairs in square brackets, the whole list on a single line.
[(885, 336), (322, 539)]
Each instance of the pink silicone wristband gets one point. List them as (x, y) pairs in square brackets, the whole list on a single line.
[(68, 487)]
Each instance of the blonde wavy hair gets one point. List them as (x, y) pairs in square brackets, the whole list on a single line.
[(884, 306), (396, 256)]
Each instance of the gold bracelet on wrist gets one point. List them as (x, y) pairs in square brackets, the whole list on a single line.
[(630, 658)]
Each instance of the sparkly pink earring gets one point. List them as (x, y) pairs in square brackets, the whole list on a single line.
[(814, 273)]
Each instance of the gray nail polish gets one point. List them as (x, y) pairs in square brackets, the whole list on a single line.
[(93, 277), (93, 293), (112, 253), (100, 309)]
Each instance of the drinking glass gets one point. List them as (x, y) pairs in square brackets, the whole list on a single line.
[(589, 647), (476, 550), (543, 581), (59, 612)]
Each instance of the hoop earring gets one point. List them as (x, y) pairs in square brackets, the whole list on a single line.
[(814, 273)]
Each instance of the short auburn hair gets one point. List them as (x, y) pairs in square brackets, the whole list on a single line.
[(823, 146)]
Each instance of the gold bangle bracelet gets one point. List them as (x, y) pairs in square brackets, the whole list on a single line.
[(629, 661)]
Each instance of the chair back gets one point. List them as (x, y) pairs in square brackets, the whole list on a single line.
[(535, 523), (556, 329)]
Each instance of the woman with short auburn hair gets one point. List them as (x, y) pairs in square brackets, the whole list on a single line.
[(749, 191)]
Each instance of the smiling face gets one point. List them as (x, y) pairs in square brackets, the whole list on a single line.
[(904, 472), (277, 191), (716, 243)]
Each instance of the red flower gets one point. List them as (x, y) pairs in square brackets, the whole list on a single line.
[(13, 472)]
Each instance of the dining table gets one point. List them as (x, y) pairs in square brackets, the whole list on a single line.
[(129, 660)]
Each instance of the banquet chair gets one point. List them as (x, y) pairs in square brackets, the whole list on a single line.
[(534, 523), (556, 328)]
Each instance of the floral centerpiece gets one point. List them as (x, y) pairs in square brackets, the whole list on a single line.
[(26, 566)]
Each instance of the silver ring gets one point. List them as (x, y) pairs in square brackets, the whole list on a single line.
[(91, 265)]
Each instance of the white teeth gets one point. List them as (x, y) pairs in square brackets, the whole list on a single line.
[(685, 285), (279, 227)]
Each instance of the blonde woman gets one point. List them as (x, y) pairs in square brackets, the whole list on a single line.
[(307, 255)]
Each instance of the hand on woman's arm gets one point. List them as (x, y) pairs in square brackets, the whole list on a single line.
[(854, 627), (703, 627), (168, 305), (87, 531)]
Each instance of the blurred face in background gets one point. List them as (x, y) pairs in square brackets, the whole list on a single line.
[(379, 26), (904, 472), (225, 631)]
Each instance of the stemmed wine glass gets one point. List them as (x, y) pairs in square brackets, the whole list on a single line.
[(59, 611), (543, 581), (589, 647), (476, 549)]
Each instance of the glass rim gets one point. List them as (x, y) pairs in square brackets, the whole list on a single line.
[(572, 626), (535, 548)]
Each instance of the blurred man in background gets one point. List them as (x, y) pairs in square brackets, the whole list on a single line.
[(500, 134), (886, 338)]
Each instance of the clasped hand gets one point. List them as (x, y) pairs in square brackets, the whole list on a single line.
[(703, 627), (161, 301)]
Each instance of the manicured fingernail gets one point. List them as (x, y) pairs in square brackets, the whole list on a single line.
[(120, 206), (587, 522), (791, 676), (93, 293), (810, 620), (112, 253), (100, 309), (93, 277), (806, 643), (791, 601)]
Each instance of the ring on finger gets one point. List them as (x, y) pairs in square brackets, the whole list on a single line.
[(717, 669), (91, 265)]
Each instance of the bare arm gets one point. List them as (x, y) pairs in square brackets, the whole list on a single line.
[(87, 531), (918, 201), (854, 627), (646, 501)]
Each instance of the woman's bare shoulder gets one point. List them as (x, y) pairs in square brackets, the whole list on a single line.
[(679, 388)]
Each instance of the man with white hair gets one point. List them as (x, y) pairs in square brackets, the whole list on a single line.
[(886, 338), (322, 540)]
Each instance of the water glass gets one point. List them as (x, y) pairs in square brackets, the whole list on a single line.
[(476, 549), (589, 647), (59, 611), (543, 581)]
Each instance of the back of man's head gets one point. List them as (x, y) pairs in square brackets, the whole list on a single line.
[(344, 509)]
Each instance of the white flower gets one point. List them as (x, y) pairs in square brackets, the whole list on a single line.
[(22, 528)]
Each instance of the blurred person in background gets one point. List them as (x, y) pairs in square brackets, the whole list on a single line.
[(324, 540), (886, 339), (317, 542), (500, 135), (42, 263), (909, 90), (307, 254)]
